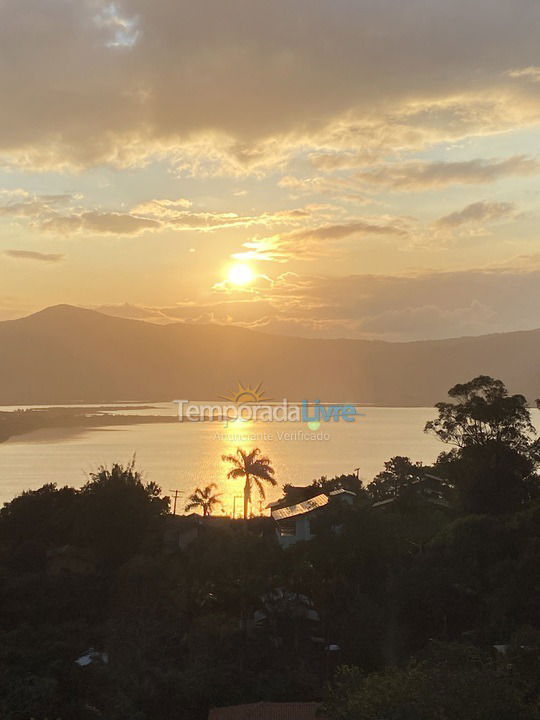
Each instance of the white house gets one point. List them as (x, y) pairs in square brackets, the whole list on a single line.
[(294, 522)]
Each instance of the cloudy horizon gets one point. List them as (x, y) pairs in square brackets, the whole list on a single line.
[(349, 169)]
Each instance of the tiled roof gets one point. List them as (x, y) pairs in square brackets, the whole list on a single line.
[(267, 711), (301, 508)]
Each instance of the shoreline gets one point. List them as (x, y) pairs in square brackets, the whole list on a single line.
[(48, 425)]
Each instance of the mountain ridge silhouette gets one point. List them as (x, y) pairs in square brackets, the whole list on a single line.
[(67, 354)]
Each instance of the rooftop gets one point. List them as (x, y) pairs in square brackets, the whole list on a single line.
[(300, 508)]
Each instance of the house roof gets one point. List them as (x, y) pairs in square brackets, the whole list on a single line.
[(381, 503), (441, 502), (300, 508), (267, 711)]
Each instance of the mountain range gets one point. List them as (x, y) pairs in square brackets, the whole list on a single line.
[(65, 354)]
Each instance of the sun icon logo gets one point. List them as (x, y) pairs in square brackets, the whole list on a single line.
[(246, 394)]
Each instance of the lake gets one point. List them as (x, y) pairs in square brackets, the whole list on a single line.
[(184, 455)]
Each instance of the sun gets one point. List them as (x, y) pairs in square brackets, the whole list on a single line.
[(240, 274)]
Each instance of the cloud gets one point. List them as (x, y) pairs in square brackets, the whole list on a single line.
[(242, 311), (31, 255), (478, 212), (320, 241), (424, 305), (57, 213), (531, 73), (241, 85), (60, 214), (425, 321), (361, 227), (22, 204), (418, 175), (136, 312), (171, 214), (96, 222)]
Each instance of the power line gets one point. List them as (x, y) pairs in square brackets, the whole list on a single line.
[(176, 494)]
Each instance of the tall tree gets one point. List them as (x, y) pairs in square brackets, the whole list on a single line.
[(398, 475), (50, 513), (484, 413), (117, 510), (204, 498), (496, 453), (255, 468)]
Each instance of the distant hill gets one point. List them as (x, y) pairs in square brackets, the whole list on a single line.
[(65, 354)]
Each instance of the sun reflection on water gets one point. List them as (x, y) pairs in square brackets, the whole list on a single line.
[(241, 434)]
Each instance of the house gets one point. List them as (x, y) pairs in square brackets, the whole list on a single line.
[(268, 711), (180, 531), (294, 523), (295, 494), (346, 496), (428, 489)]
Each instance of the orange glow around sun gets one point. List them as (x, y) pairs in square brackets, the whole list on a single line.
[(240, 274)]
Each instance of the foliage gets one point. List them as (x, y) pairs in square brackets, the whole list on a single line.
[(293, 494), (448, 682), (483, 413), (116, 509), (414, 594), (397, 477), (496, 455), (50, 512), (255, 468), (205, 499)]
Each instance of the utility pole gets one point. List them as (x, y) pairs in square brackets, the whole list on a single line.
[(176, 494), (357, 471), (235, 498)]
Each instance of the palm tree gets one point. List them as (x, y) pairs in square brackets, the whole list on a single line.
[(206, 499), (255, 468)]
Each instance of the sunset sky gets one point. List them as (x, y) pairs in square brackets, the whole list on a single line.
[(348, 168)]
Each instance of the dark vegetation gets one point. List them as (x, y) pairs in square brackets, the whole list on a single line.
[(392, 612)]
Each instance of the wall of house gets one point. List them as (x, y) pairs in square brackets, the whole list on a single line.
[(302, 531)]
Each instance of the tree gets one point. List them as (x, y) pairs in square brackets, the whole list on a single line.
[(117, 510), (50, 512), (204, 498), (398, 475), (288, 622), (293, 494), (255, 468), (448, 681), (483, 413), (496, 453)]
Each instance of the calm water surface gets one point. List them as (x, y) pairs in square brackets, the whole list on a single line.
[(183, 455)]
